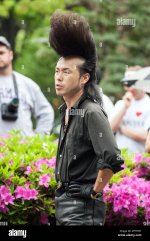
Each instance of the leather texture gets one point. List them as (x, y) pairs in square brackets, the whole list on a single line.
[(78, 211)]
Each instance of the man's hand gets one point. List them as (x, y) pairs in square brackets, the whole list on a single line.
[(128, 97), (80, 191)]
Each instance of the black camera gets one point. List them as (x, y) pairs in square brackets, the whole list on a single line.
[(9, 112)]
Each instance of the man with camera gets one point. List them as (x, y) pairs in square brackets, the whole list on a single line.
[(131, 116), (20, 98)]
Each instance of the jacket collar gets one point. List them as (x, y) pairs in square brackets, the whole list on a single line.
[(63, 107)]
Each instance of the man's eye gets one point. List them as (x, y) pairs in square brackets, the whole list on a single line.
[(66, 72)]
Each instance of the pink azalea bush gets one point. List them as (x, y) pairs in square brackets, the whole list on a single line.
[(128, 200), (142, 165), (27, 184), (27, 181)]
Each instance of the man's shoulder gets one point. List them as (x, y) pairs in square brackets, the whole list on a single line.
[(93, 107), (24, 79)]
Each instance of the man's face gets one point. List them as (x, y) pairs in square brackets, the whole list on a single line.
[(67, 76), (6, 57), (135, 92)]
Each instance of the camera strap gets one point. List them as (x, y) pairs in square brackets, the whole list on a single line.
[(15, 84)]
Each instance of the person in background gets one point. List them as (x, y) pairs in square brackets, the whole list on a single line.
[(147, 145), (131, 116), (87, 155), (107, 103), (20, 98)]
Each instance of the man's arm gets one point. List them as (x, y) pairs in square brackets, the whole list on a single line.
[(116, 120), (147, 145), (43, 112), (102, 179), (103, 141), (135, 135)]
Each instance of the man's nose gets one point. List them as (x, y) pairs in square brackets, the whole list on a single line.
[(59, 76)]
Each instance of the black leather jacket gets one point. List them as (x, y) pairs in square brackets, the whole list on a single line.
[(87, 144)]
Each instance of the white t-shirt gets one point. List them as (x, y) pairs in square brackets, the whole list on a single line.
[(31, 101), (107, 104), (137, 118)]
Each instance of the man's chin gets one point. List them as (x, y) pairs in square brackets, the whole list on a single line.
[(3, 67), (59, 93)]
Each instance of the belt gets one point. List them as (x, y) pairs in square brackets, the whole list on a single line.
[(65, 185)]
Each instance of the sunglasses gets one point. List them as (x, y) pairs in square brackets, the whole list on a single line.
[(129, 83)]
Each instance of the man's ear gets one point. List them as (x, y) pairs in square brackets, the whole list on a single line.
[(11, 55), (84, 78)]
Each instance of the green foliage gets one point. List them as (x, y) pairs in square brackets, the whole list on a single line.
[(118, 46), (23, 164)]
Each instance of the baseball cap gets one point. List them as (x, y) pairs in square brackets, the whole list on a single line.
[(143, 82), (5, 42), (131, 76), (139, 78)]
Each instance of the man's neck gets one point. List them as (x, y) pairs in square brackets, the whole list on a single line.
[(6, 72), (71, 100)]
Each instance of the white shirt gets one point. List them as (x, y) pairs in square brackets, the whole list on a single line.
[(31, 101), (137, 118), (107, 103)]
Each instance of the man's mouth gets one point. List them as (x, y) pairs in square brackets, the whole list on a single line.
[(58, 86)]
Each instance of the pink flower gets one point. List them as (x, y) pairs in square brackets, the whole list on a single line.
[(138, 157), (8, 199), (30, 194), (11, 162), (48, 162), (8, 182), (5, 196), (2, 143), (1, 155), (26, 193), (3, 209), (23, 141), (6, 136), (52, 162), (3, 190), (19, 192), (28, 170), (44, 218), (130, 194), (44, 180)]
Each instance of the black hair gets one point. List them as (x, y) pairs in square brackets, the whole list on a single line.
[(98, 76), (70, 35)]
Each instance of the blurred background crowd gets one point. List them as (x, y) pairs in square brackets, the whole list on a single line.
[(121, 32)]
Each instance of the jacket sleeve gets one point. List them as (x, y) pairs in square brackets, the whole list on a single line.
[(103, 141)]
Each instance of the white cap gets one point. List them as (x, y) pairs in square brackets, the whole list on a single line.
[(140, 79), (5, 42), (143, 82)]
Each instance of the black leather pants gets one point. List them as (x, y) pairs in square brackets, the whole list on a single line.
[(77, 211)]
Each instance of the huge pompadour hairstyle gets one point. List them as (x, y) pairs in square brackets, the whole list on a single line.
[(70, 35)]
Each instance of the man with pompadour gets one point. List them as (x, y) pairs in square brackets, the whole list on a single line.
[(87, 153)]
